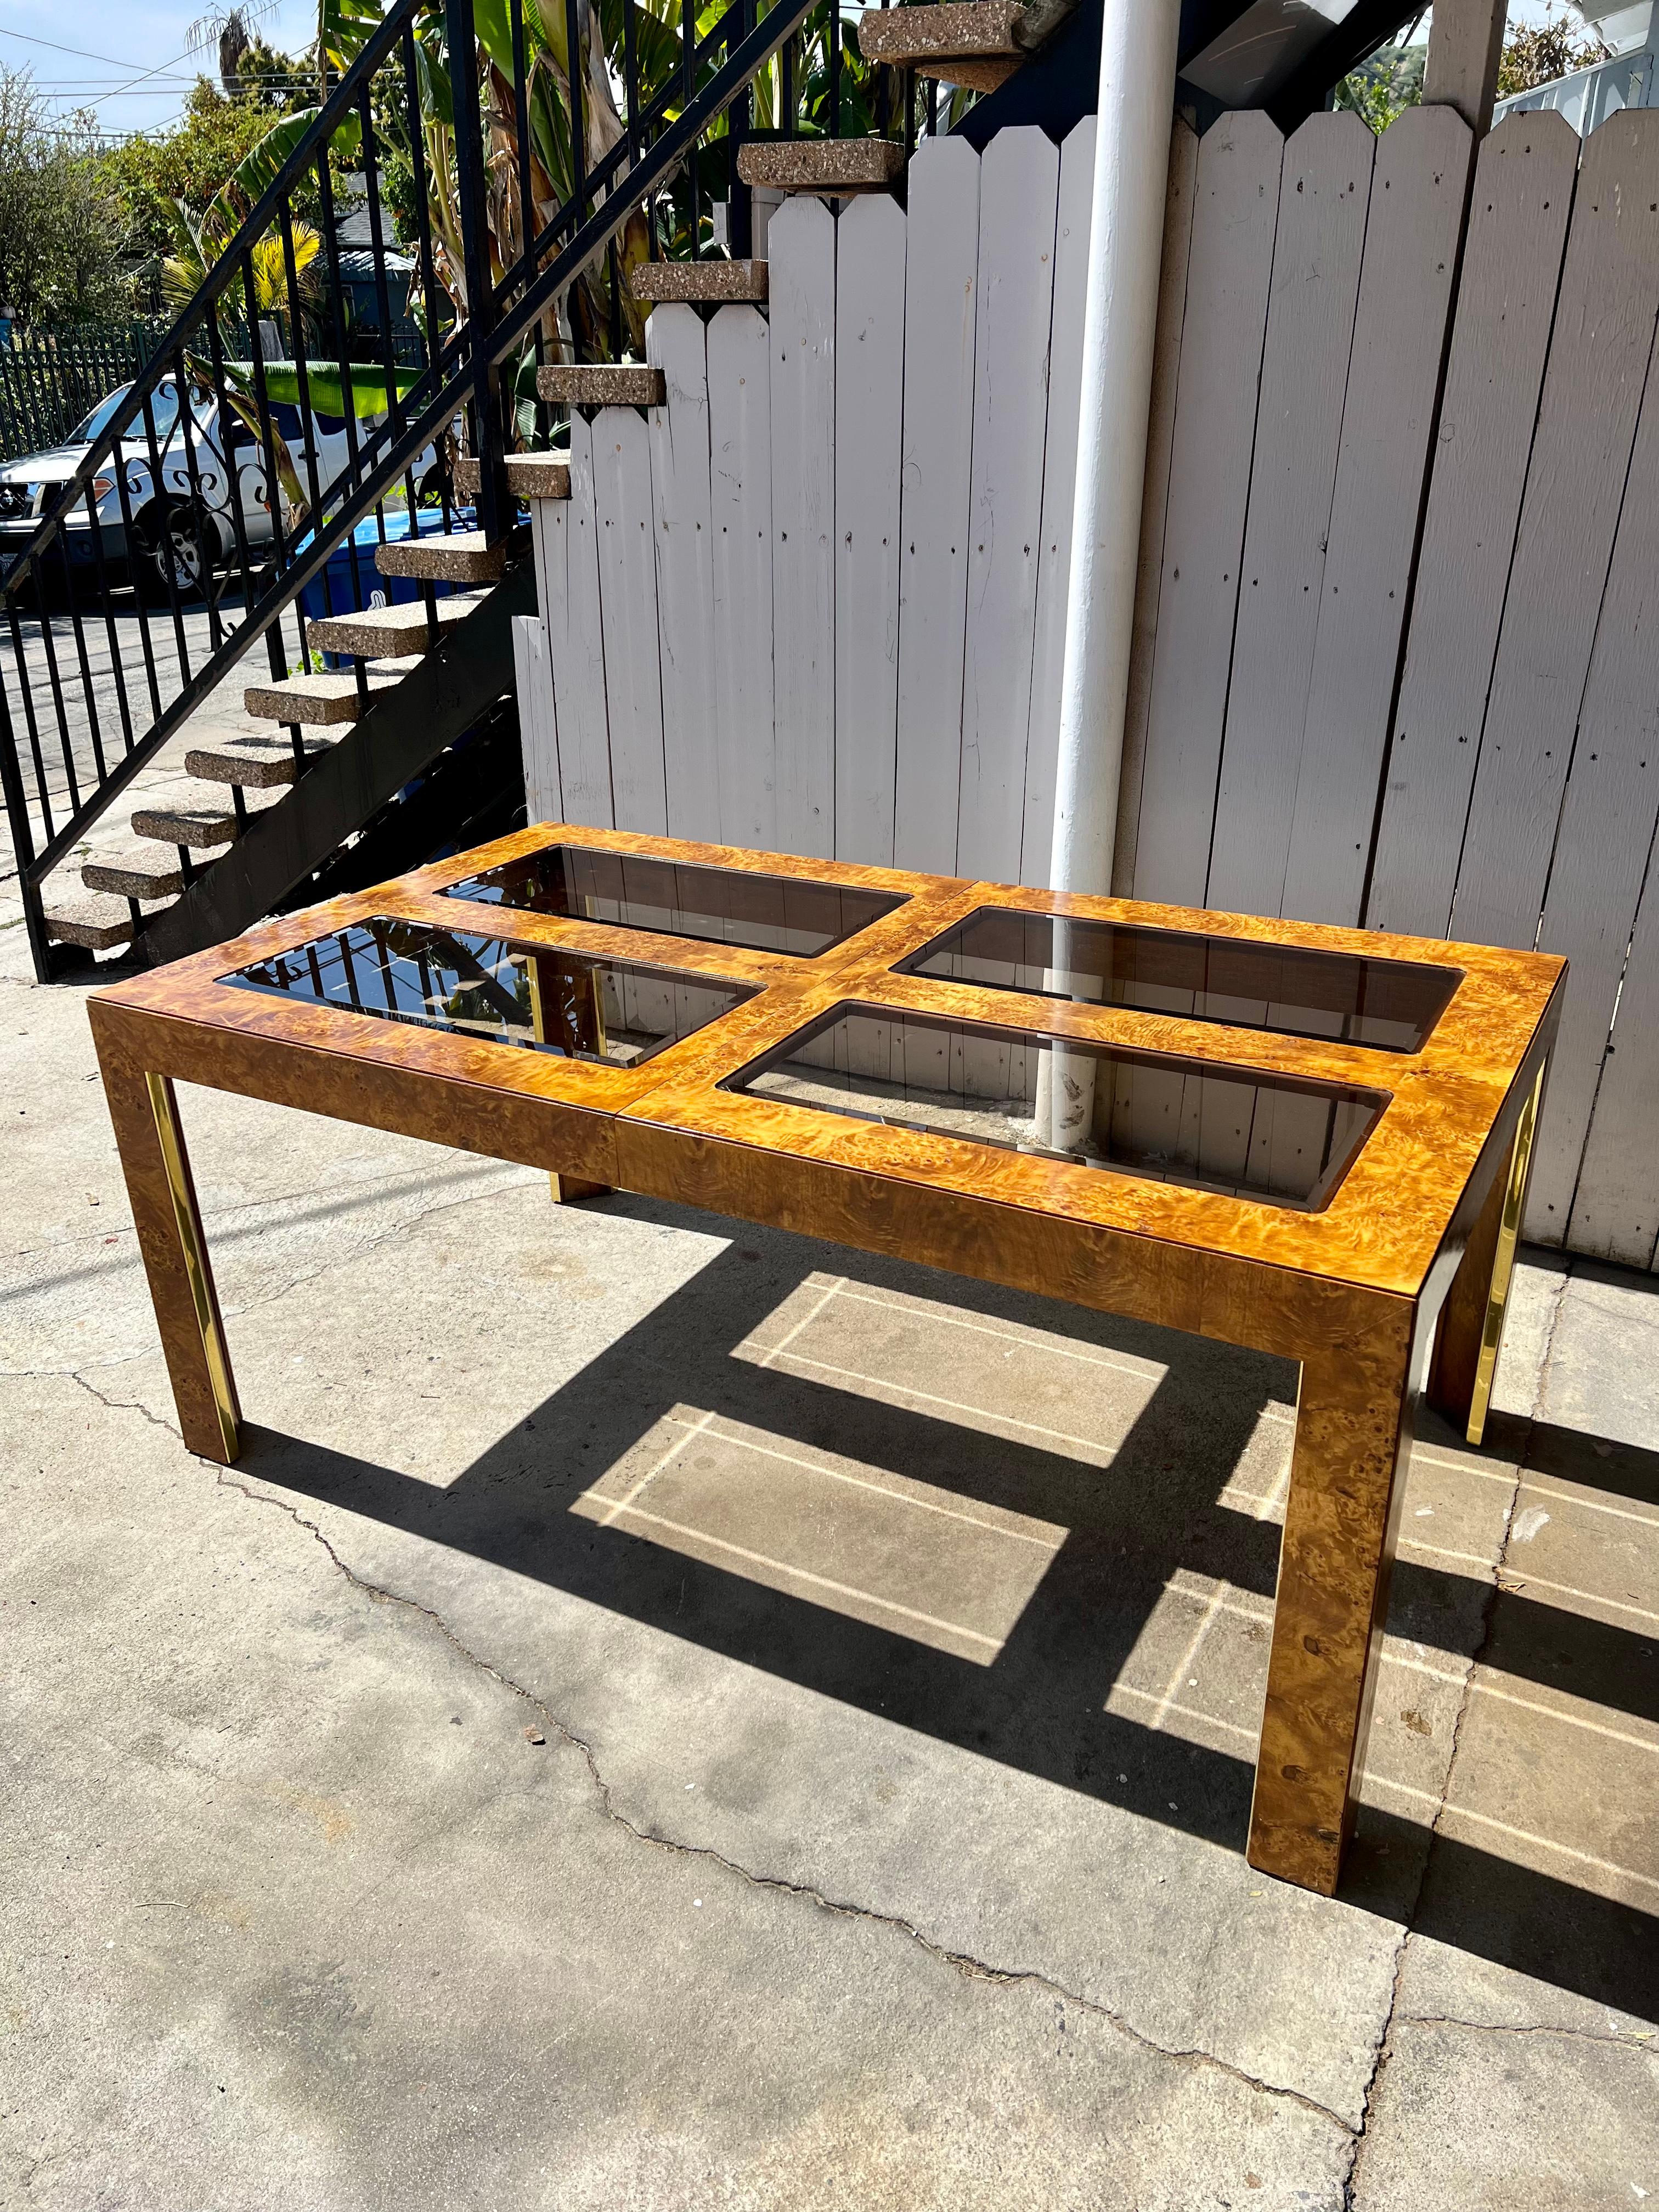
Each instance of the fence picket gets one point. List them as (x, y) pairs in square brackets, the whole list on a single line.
[(1418, 194), (1615, 1214), (1318, 258), (740, 514), (870, 254), (1311, 321), (939, 271), (575, 649), (1234, 216), (674, 341), (1601, 851), (1235, 219), (538, 730), (628, 615), (1077, 180), (1019, 188), (1179, 199), (801, 254), (1519, 211)]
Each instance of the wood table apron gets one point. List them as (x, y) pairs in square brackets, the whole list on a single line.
[(1398, 1288)]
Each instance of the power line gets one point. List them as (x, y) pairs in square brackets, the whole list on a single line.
[(169, 88), (145, 79), (60, 87), (82, 52)]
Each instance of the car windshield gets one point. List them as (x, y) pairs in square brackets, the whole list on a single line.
[(164, 407)]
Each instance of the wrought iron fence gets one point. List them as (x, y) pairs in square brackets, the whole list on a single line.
[(51, 380), (525, 191)]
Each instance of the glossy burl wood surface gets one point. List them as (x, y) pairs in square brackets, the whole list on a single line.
[(1384, 1229), (1352, 1291)]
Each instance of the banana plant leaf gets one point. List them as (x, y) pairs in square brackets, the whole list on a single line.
[(326, 387), (493, 27), (344, 27), (432, 84)]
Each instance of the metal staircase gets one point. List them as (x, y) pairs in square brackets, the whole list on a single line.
[(218, 513)]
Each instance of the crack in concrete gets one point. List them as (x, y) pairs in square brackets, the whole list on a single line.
[(114, 1405), (226, 1228), (962, 1962), (1384, 2050), (1615, 2042), (269, 1298), (226, 1223)]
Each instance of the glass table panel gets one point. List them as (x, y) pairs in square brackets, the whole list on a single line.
[(1208, 1125), (1390, 1005), (577, 1006), (769, 914)]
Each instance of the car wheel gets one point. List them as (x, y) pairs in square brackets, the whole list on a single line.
[(174, 553)]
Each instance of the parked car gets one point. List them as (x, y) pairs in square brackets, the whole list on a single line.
[(183, 522)]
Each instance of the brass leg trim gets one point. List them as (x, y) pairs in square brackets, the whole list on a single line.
[(216, 1357), (1509, 1236)]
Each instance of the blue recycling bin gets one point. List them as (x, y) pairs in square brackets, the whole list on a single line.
[(353, 584)]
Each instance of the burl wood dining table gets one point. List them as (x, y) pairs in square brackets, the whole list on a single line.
[(1310, 1141)]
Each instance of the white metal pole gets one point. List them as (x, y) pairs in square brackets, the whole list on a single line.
[(1138, 42)]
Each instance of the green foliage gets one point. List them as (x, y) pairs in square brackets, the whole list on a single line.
[(56, 237), (1538, 54), (1384, 86), (144, 177), (213, 167), (274, 82)]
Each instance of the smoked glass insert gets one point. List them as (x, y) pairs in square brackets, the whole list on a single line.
[(1210, 1127), (576, 1005), (1391, 1005), (771, 913)]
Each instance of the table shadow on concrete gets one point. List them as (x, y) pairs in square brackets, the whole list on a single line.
[(1039, 1704)]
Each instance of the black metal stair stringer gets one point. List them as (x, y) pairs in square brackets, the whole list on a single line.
[(403, 732)]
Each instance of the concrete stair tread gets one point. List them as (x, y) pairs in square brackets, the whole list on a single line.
[(976, 43), (194, 815), (145, 869), (716, 282), (602, 384), (947, 27), (464, 556), (254, 763), (825, 168), (384, 633), (529, 476), (92, 919), (319, 702)]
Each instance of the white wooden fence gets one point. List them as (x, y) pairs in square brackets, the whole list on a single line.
[(1393, 661)]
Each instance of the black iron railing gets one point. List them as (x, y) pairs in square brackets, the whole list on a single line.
[(237, 477)]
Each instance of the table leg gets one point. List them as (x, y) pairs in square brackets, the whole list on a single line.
[(570, 999), (1472, 1319), (162, 1194), (1353, 1426)]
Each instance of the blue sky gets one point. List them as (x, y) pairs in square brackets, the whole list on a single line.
[(130, 60)]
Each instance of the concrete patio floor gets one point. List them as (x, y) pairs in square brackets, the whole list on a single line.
[(668, 1714)]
